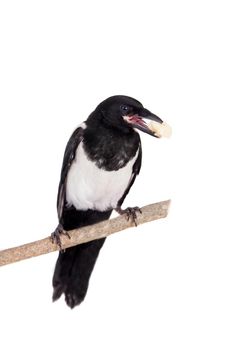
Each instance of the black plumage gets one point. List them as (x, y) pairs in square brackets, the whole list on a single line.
[(100, 164)]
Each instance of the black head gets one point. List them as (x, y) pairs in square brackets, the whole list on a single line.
[(125, 113)]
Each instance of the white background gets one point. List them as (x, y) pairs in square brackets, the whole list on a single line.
[(165, 285)]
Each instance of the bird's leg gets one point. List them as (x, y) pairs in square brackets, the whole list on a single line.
[(131, 213), (55, 236)]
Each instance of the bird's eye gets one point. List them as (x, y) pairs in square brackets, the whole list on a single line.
[(124, 108)]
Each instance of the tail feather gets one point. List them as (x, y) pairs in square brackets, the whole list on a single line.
[(73, 270), (62, 272), (74, 266)]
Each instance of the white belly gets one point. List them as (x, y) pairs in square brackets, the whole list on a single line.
[(89, 187)]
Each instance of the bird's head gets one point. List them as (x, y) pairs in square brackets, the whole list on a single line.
[(125, 113)]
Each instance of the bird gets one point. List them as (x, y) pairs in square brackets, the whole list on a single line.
[(101, 162)]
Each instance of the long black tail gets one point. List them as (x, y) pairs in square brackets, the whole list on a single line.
[(74, 266)]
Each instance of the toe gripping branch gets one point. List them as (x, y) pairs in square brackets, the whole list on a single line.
[(56, 235), (130, 212)]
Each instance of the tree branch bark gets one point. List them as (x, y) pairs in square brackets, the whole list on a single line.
[(85, 234)]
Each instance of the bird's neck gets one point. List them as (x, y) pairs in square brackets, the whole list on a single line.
[(110, 149)]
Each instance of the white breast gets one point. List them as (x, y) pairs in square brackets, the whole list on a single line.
[(89, 187)]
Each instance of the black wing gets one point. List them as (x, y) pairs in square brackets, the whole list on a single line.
[(136, 170), (68, 158)]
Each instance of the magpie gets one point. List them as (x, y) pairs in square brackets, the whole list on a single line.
[(101, 161)]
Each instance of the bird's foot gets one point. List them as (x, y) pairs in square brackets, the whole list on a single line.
[(131, 213), (56, 235)]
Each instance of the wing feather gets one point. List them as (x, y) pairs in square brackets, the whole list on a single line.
[(135, 172), (68, 158)]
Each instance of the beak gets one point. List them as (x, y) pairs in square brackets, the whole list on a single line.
[(155, 127)]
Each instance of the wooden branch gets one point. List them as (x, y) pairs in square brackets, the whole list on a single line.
[(85, 234)]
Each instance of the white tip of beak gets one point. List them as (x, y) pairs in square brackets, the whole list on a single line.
[(160, 130)]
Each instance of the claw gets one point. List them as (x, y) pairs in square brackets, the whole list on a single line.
[(56, 235), (131, 213)]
